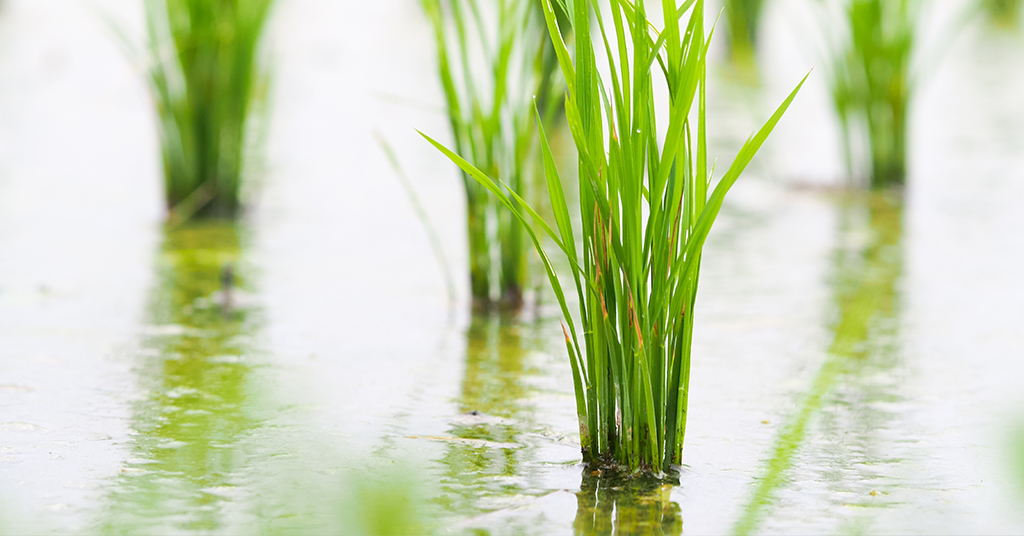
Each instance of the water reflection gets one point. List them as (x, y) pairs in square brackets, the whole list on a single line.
[(185, 462), (855, 376), (484, 454), (866, 399), (624, 506)]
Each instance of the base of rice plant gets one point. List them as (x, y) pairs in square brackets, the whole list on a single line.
[(646, 205), (205, 79)]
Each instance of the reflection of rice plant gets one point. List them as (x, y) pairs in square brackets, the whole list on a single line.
[(866, 297), (645, 213), (492, 57), (1004, 13), (743, 17), (205, 79), (871, 86), (610, 503)]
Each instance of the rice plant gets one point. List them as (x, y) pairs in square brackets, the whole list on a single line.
[(871, 86), (492, 57), (205, 78), (1003, 13), (645, 213), (743, 18)]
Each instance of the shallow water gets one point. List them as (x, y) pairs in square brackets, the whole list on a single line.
[(857, 359)]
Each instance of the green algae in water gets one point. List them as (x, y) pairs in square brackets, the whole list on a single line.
[(194, 363), (866, 298)]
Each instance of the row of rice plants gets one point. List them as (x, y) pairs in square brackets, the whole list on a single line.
[(645, 210)]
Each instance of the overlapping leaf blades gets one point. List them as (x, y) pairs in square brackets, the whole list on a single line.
[(645, 213), (488, 81)]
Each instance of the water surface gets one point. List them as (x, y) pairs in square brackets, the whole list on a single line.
[(856, 358)]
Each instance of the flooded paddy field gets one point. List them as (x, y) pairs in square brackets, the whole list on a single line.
[(858, 357)]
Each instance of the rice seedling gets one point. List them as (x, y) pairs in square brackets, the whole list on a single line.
[(871, 86), (1003, 13), (645, 212), (743, 18), (205, 78), (491, 60)]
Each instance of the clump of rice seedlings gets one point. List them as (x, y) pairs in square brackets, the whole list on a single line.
[(645, 212), (1003, 13), (205, 78), (871, 86), (743, 18), (491, 60)]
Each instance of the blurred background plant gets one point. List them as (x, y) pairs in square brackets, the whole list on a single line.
[(385, 497), (387, 506), (872, 85), (493, 58), (1017, 455), (743, 18), (206, 79), (1003, 13)]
